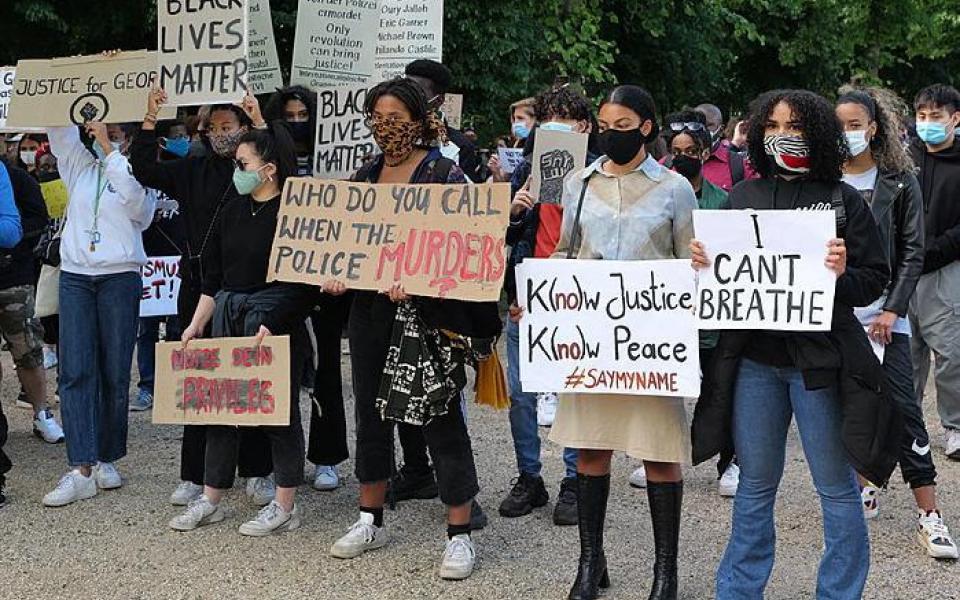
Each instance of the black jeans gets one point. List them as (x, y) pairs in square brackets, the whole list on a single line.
[(5, 464), (916, 467), (328, 422), (446, 437)]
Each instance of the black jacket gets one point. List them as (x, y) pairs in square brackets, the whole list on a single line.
[(939, 176), (897, 206), (34, 219), (841, 357)]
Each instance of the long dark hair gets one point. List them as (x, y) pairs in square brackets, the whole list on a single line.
[(884, 108), (413, 97), (819, 124), (639, 101), (274, 145), (277, 104)]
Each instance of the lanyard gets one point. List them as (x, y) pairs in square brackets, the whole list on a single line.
[(94, 232)]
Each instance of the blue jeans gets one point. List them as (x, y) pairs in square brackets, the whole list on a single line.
[(98, 328), (523, 415), (764, 400), (148, 335)]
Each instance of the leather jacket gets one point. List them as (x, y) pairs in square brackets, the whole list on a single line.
[(897, 207)]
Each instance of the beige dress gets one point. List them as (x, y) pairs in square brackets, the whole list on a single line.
[(644, 215)]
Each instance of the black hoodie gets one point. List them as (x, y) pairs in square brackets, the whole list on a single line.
[(939, 175)]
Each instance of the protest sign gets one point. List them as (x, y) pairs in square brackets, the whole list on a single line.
[(203, 50), (55, 197), (7, 75), (408, 31), (443, 241), (604, 326), (556, 154), (343, 138), (510, 159), (263, 64), (452, 109), (335, 42), (767, 269), (161, 286), (71, 91), (223, 381)]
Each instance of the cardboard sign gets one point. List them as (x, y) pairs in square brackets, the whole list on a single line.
[(408, 31), (70, 91), (510, 159), (443, 241), (452, 109), (55, 197), (203, 50), (556, 154), (7, 75), (604, 326), (343, 139), (263, 64), (767, 269), (224, 381), (161, 286), (335, 42)]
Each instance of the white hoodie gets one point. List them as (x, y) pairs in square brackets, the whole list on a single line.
[(125, 208)]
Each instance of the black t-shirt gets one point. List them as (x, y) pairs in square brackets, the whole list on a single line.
[(240, 246)]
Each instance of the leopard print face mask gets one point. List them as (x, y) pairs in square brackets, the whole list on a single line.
[(396, 139)]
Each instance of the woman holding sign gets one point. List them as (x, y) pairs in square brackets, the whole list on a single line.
[(238, 302), (625, 206), (820, 379), (882, 171)]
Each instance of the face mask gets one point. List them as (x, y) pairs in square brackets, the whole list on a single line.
[(176, 146), (932, 133), (29, 157), (791, 153), (99, 151), (687, 166), (621, 146), (396, 138), (246, 181), (857, 142), (555, 126), (301, 132), (225, 144), (520, 130)]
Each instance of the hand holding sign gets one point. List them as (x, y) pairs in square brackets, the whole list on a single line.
[(156, 98), (98, 131), (522, 200), (251, 106), (334, 288), (837, 256)]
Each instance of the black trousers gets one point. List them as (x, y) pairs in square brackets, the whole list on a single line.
[(727, 454), (5, 464), (328, 422), (916, 459), (446, 437)]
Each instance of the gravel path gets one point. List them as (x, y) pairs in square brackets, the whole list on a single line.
[(118, 544)]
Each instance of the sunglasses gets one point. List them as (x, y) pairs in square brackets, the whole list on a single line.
[(680, 126)]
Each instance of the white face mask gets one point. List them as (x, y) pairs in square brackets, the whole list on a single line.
[(29, 157), (857, 142)]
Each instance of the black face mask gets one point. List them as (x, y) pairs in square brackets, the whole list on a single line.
[(687, 166), (301, 132), (621, 146), (48, 177)]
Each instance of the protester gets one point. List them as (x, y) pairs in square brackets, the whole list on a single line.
[(798, 147), (534, 232), (11, 232), (934, 315), (725, 167), (237, 301), (652, 212), (523, 119), (409, 133), (54, 197), (27, 147), (101, 254), (203, 186), (298, 107), (882, 171)]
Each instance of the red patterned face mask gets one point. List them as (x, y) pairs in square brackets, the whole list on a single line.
[(790, 152)]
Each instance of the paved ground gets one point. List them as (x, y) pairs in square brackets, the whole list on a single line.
[(118, 544)]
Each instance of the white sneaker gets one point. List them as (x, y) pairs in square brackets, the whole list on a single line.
[(272, 519), (72, 487), (108, 478), (459, 558), (49, 358), (325, 478), (261, 490), (362, 536), (870, 497), (46, 427), (546, 408), (199, 512), (638, 478), (185, 493), (934, 536), (953, 444), (729, 481)]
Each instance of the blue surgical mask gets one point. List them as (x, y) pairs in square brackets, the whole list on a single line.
[(932, 132), (520, 130), (98, 151), (857, 142), (176, 146), (246, 181), (555, 126)]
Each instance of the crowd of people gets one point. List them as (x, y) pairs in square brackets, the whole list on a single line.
[(207, 188)]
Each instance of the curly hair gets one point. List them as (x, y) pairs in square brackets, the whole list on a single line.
[(817, 121), (411, 95), (885, 109), (562, 102), (701, 137)]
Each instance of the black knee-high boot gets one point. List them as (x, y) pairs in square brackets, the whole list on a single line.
[(591, 513), (666, 500)]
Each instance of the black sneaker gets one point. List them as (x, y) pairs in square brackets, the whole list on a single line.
[(478, 518), (413, 486), (565, 512), (527, 494)]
